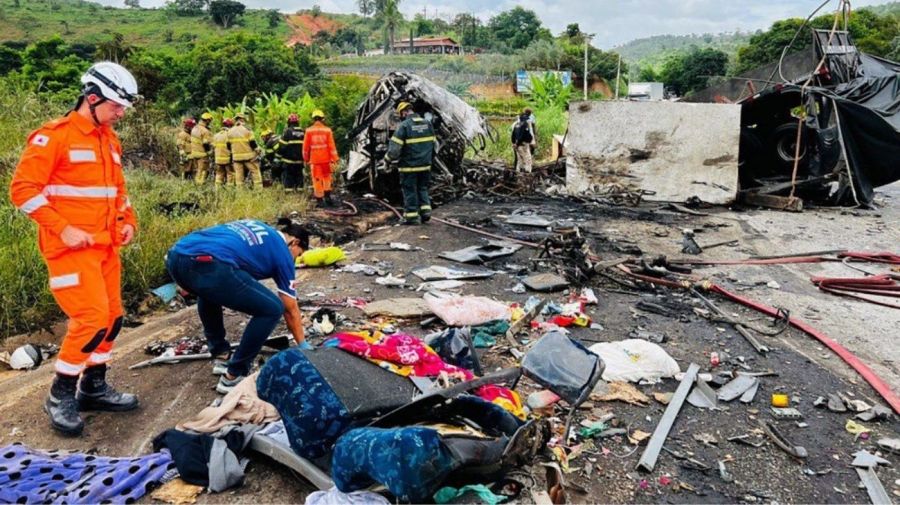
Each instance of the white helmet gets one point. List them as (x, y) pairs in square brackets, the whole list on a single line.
[(112, 81)]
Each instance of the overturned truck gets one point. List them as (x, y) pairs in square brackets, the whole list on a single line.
[(457, 126)]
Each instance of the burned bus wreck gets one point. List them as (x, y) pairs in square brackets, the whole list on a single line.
[(457, 125), (848, 117)]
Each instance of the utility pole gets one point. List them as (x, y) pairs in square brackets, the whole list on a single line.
[(618, 75)]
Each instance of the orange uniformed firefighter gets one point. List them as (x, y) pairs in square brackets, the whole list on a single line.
[(222, 153), (244, 152), (183, 142), (201, 147), (320, 153), (70, 182)]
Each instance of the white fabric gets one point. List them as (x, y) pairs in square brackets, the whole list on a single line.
[(82, 155), (64, 281), (34, 204), (466, 310), (68, 368), (335, 497), (634, 360), (81, 191)]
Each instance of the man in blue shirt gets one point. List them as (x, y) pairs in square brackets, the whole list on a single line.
[(222, 266)]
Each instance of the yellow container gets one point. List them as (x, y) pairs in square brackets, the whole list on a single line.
[(780, 400)]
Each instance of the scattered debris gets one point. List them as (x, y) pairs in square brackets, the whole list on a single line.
[(622, 391), (456, 272), (466, 310), (782, 442), (737, 387), (786, 413), (545, 282), (856, 429), (481, 253), (651, 453), (398, 307), (390, 281), (634, 360), (702, 396)]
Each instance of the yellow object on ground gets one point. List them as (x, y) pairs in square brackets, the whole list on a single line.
[(321, 257), (780, 400)]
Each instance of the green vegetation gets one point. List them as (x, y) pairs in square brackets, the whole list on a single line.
[(873, 31), (80, 21), (692, 71), (651, 53)]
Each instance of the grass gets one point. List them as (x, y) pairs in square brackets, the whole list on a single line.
[(89, 22), (25, 300), (549, 121)]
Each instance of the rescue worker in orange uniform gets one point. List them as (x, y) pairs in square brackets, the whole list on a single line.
[(244, 152), (201, 148), (70, 182), (222, 153), (320, 154), (183, 142)]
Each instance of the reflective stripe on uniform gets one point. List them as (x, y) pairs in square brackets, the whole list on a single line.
[(80, 191), (406, 170), (398, 141), (420, 139), (82, 155), (292, 141), (34, 204), (68, 368), (411, 214), (425, 207), (99, 358), (64, 281)]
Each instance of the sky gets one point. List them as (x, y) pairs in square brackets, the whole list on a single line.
[(613, 22)]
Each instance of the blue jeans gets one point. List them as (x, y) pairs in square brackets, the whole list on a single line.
[(218, 284)]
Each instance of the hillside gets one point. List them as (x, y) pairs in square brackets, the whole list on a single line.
[(88, 22), (653, 51), (306, 24), (892, 8)]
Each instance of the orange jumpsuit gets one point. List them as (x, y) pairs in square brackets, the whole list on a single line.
[(71, 174), (319, 151)]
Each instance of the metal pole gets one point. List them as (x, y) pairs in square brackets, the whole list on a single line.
[(618, 73)]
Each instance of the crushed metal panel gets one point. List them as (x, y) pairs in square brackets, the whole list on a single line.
[(673, 150)]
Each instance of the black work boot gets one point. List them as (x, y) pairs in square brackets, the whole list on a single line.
[(95, 394), (328, 199), (62, 407)]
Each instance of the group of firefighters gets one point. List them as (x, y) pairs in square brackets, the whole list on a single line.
[(235, 156), (69, 180)]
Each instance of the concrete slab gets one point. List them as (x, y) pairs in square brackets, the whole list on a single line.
[(674, 150)]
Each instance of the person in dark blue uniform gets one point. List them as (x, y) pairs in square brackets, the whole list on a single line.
[(222, 266)]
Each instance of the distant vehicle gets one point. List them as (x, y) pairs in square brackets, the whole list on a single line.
[(645, 91)]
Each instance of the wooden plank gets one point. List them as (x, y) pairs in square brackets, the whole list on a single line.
[(792, 204)]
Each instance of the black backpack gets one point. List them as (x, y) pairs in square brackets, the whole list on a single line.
[(521, 133)]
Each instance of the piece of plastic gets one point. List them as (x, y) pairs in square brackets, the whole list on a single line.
[(634, 360), (467, 310), (321, 257), (25, 357), (563, 366)]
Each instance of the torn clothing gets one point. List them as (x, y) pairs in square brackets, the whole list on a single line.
[(241, 405), (33, 476)]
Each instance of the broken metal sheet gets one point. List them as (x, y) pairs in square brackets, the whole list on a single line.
[(737, 387), (750, 394), (398, 307), (651, 453), (865, 459), (702, 396), (441, 272), (545, 282), (670, 151), (873, 486), (480, 253), (528, 220)]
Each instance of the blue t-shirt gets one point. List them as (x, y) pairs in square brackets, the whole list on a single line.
[(252, 246)]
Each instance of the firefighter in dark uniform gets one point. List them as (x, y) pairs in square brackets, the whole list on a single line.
[(289, 154), (267, 158), (412, 149)]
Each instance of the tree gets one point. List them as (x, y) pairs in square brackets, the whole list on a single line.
[(686, 73), (422, 25), (389, 16), (895, 49), (515, 29), (51, 66), (65, 25), (133, 4), (573, 31), (316, 11), (647, 74), (187, 7), (115, 48), (225, 12), (274, 17), (10, 60), (366, 7)]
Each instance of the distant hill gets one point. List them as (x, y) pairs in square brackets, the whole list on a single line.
[(88, 22), (653, 51)]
